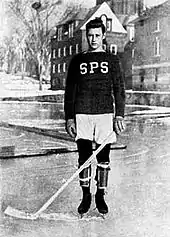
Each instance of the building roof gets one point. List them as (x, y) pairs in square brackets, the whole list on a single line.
[(104, 9), (84, 15), (126, 19), (75, 14)]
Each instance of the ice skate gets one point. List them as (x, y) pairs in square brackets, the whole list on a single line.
[(85, 204), (102, 181), (100, 203), (85, 178)]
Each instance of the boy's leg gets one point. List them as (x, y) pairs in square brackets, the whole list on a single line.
[(103, 127), (85, 151), (102, 171)]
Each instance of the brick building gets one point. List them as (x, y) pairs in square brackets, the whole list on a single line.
[(127, 11), (70, 38), (151, 62), (125, 7)]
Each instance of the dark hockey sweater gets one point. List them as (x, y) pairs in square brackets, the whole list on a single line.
[(93, 79)]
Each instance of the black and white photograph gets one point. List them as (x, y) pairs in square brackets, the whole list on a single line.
[(84, 118)]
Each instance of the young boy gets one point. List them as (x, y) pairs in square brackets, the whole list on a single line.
[(94, 78)]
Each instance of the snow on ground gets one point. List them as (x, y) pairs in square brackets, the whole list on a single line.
[(15, 86)]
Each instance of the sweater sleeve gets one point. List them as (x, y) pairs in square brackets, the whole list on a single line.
[(118, 88), (70, 90)]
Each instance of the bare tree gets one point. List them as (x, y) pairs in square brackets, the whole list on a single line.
[(33, 27), (2, 56), (33, 23)]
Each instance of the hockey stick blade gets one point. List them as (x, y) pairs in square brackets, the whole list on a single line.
[(10, 211)]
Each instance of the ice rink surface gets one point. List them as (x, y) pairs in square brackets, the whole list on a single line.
[(138, 194)]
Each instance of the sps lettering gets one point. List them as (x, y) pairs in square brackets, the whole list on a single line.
[(91, 67)]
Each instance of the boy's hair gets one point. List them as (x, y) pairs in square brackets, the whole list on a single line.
[(96, 23)]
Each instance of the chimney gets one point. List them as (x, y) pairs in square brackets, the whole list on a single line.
[(140, 6), (99, 2)]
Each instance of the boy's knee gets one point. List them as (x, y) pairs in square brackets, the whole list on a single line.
[(84, 149), (104, 154)]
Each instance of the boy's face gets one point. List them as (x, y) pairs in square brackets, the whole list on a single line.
[(95, 38)]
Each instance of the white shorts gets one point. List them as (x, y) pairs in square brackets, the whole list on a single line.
[(95, 127)]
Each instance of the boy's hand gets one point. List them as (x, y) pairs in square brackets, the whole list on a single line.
[(118, 124), (71, 128)]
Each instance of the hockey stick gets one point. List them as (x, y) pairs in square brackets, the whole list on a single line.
[(32, 216)]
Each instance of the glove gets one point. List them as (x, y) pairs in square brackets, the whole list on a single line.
[(118, 125), (71, 128)]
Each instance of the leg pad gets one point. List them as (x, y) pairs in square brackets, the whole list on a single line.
[(102, 175), (85, 177)]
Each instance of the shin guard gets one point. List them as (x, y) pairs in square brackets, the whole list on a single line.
[(102, 172), (85, 177)]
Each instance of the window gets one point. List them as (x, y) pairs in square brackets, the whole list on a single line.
[(124, 7), (109, 24), (64, 51), (53, 68), (76, 23), (54, 53), (157, 47), (133, 53), (119, 8), (132, 33), (59, 52), (156, 74), (104, 19), (156, 26), (70, 49), (59, 34), (77, 48), (64, 82), (136, 7), (71, 29), (141, 22), (113, 49), (64, 67), (142, 75), (65, 29), (59, 68)]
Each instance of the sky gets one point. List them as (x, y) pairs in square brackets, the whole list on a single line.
[(153, 2), (86, 3)]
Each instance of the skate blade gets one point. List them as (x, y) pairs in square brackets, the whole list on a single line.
[(100, 215), (103, 216), (81, 216), (91, 217)]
